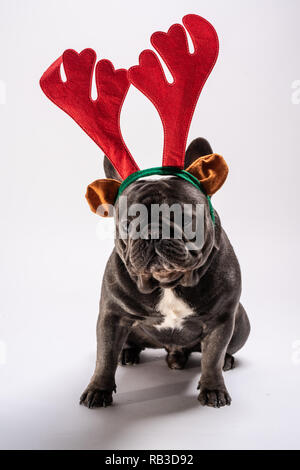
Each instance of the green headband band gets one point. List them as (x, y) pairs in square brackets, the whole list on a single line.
[(166, 170)]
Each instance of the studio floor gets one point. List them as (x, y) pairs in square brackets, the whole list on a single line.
[(154, 408)]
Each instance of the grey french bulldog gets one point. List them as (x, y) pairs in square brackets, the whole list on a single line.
[(157, 294)]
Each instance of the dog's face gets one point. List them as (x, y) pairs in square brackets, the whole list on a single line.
[(163, 251), (164, 248)]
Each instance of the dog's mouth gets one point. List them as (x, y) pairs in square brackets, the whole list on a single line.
[(161, 263), (155, 268), (167, 277), (147, 282)]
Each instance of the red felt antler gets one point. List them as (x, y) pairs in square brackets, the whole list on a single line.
[(99, 118), (176, 101)]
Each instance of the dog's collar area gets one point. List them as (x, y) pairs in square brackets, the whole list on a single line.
[(165, 171)]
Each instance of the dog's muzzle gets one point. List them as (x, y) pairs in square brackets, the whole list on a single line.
[(160, 257)]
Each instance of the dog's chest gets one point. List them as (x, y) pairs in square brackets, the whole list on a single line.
[(173, 309)]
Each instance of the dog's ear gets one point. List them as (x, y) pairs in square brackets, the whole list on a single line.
[(109, 170), (211, 171), (101, 196), (197, 148)]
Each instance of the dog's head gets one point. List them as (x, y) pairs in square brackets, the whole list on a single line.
[(164, 227)]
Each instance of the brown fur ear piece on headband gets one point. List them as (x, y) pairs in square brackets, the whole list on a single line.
[(101, 196), (211, 171)]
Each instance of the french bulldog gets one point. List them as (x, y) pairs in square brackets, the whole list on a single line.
[(157, 294)]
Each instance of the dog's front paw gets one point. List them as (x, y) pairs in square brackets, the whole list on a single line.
[(214, 397), (95, 397)]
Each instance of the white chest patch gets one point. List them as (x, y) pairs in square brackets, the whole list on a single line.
[(173, 309)]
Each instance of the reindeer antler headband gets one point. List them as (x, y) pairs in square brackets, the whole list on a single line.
[(175, 103)]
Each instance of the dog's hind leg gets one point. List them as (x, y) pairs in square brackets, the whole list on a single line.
[(228, 362), (130, 355), (177, 358), (239, 337), (136, 342), (241, 331)]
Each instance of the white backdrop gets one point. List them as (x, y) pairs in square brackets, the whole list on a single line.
[(53, 251)]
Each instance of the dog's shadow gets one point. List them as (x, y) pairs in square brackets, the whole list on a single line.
[(141, 403), (151, 393)]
